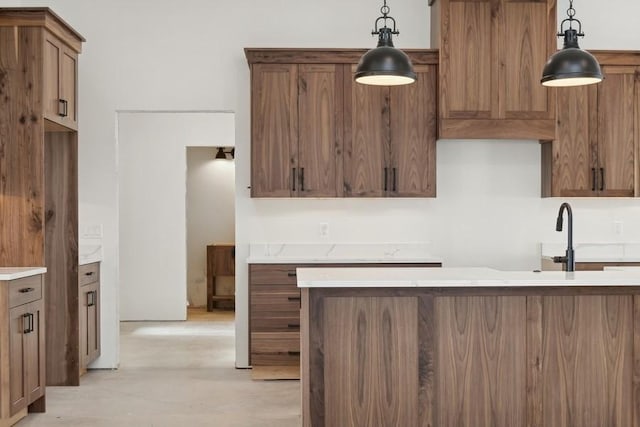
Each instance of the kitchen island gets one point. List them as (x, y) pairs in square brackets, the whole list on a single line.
[(469, 347)]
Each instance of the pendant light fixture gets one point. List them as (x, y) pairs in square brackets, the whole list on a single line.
[(385, 65), (571, 66)]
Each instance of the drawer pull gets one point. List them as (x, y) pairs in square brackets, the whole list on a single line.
[(28, 317), (293, 353), (89, 273), (26, 290), (293, 325), (294, 298), (291, 274)]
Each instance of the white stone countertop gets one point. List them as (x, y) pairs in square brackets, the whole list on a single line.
[(88, 254), (12, 273), (340, 253), (457, 277), (595, 251)]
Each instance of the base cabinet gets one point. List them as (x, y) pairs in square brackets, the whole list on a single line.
[(274, 317), (89, 314), (22, 348), (451, 357)]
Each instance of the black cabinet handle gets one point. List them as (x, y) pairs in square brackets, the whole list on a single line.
[(31, 323), (386, 170), (293, 177), (26, 290), (601, 179), (593, 179), (89, 273), (301, 179), (293, 325), (293, 353), (291, 274), (294, 298), (26, 317), (91, 298), (394, 180), (63, 108)]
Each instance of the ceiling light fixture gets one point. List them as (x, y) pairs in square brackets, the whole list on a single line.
[(222, 154), (571, 66), (385, 65)]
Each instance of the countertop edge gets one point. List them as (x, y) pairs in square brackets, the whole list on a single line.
[(13, 273), (284, 260)]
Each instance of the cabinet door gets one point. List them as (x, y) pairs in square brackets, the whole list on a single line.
[(319, 105), (52, 55), (68, 84), (616, 132), (274, 129), (413, 136), (574, 151), (18, 324), (466, 55), (366, 173), (34, 345), (93, 323)]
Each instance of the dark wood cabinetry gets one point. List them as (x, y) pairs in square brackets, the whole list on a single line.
[(598, 129), (316, 133), (274, 317), (89, 314), (491, 56), (22, 348), (221, 261), (38, 129), (475, 356), (390, 138)]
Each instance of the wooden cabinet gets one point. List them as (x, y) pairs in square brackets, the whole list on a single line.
[(60, 82), (315, 133), (221, 261), (598, 130), (38, 67), (294, 132), (274, 317), (390, 138), (491, 55), (22, 348), (499, 357), (89, 314)]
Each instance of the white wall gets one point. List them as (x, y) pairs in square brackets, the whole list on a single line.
[(188, 55), (152, 178), (210, 217)]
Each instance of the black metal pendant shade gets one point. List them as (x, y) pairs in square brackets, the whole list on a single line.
[(571, 66), (385, 65)]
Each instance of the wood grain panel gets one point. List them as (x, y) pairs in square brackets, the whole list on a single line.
[(52, 55), (371, 356), (274, 129), (327, 56), (61, 242), (68, 81), (318, 149), (534, 361), (587, 361), (34, 344), (89, 273), (466, 85), (277, 274), (525, 41), (366, 139), (17, 392), (635, 397), (497, 129), (574, 160), (413, 136), (481, 363), (21, 150), (616, 133)]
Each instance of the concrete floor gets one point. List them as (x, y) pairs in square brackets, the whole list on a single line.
[(174, 374)]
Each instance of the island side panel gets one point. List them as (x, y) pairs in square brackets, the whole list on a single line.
[(534, 361), (587, 363), (481, 363)]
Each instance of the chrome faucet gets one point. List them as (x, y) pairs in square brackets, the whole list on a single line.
[(569, 259)]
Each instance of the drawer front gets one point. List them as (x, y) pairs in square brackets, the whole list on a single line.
[(273, 274), (275, 348), (89, 273), (277, 301), (273, 322), (27, 289), (274, 359)]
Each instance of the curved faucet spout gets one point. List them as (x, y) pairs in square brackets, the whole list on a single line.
[(569, 258)]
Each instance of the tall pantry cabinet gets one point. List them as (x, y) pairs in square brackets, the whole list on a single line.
[(38, 170)]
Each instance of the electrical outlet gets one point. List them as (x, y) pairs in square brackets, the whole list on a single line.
[(618, 227), (324, 229)]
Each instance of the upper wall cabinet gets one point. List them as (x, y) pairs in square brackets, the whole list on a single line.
[(315, 133), (598, 133), (60, 81), (390, 138), (491, 57)]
